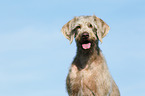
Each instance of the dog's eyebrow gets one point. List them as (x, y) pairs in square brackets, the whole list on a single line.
[(77, 26)]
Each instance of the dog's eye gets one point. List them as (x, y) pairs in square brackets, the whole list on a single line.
[(90, 25), (78, 27)]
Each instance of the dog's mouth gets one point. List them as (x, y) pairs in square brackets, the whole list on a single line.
[(86, 45), (85, 41)]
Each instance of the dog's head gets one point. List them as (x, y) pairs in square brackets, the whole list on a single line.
[(85, 29)]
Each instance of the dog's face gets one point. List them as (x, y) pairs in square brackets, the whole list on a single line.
[(85, 30)]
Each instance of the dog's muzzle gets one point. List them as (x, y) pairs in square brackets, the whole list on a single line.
[(85, 41)]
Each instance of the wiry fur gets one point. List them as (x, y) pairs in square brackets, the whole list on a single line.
[(89, 74)]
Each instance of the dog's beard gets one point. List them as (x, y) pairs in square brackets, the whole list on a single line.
[(87, 47), (86, 44)]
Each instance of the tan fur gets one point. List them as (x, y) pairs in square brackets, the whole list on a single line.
[(89, 74)]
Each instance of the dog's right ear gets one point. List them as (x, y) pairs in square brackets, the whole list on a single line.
[(67, 30)]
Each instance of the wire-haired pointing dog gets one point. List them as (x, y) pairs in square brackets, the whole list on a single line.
[(89, 74)]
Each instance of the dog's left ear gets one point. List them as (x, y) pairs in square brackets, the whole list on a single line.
[(102, 28), (67, 30)]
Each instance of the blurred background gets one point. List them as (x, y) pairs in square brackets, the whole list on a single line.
[(35, 57)]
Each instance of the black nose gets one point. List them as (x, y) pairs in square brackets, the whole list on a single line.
[(85, 35)]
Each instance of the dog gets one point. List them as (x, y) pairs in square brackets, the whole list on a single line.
[(88, 74)]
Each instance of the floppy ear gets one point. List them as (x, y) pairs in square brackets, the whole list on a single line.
[(102, 28), (67, 30)]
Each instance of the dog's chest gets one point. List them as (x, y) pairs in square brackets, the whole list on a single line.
[(82, 81)]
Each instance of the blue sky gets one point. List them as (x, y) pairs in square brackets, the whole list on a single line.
[(35, 57)]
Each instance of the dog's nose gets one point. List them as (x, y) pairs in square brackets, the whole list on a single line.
[(85, 35)]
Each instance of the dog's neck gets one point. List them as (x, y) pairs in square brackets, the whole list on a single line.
[(86, 57)]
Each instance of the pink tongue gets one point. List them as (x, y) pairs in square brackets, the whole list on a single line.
[(86, 46)]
